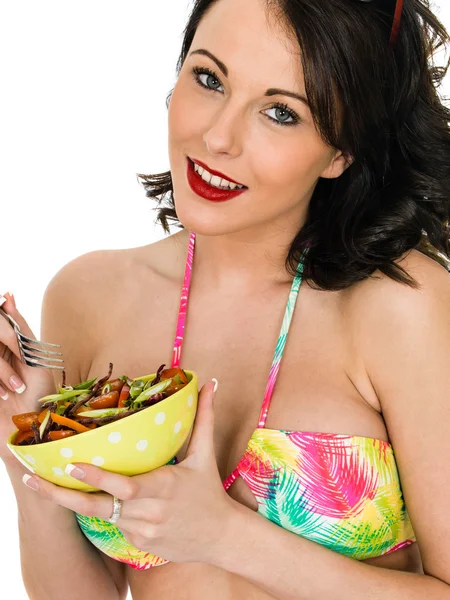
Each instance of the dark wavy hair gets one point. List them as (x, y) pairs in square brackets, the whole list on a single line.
[(380, 106)]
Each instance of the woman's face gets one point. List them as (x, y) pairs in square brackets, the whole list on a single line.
[(230, 124)]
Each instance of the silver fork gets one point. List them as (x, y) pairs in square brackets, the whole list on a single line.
[(31, 355)]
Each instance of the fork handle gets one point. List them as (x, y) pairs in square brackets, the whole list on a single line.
[(10, 319)]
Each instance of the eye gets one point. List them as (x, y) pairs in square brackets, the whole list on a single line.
[(212, 82), (282, 113), (211, 78)]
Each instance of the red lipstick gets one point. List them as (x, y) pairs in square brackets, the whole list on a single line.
[(206, 191), (217, 173)]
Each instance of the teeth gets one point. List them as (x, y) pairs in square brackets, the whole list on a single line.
[(215, 181)]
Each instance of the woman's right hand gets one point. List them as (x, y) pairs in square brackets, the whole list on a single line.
[(20, 385)]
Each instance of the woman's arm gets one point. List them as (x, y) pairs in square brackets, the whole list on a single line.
[(182, 512), (57, 560), (292, 568), (404, 338)]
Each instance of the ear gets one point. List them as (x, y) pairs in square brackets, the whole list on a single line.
[(338, 164)]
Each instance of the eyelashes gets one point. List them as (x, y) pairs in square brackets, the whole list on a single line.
[(198, 71)]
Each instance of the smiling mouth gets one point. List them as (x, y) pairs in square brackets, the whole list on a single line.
[(214, 178), (210, 191)]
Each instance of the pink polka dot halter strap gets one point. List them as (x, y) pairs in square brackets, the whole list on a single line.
[(292, 299)]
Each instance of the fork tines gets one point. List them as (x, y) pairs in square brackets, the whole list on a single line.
[(39, 357), (32, 356)]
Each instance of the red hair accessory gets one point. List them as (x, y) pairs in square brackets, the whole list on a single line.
[(394, 9), (396, 24)]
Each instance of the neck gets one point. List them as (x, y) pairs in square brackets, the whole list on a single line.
[(245, 261)]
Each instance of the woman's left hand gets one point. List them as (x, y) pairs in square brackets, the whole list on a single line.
[(178, 512)]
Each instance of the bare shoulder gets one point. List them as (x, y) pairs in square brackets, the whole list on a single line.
[(392, 322), (380, 299), (88, 294), (403, 338)]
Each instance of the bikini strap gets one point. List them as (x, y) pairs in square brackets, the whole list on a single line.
[(279, 350), (176, 356)]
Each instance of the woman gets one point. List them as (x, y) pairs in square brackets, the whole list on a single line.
[(342, 174)]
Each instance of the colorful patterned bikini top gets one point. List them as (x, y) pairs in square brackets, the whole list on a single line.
[(340, 491)]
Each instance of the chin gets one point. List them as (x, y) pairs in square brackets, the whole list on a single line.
[(205, 218), (204, 227)]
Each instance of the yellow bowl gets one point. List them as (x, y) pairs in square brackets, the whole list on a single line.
[(130, 446)]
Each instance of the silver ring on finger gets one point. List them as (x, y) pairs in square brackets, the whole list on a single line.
[(117, 509)]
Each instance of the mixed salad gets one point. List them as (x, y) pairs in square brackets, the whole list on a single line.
[(94, 403)]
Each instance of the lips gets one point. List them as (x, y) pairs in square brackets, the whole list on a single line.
[(206, 191), (213, 172)]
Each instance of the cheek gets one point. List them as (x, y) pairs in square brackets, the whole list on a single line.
[(176, 122), (292, 164), (185, 113)]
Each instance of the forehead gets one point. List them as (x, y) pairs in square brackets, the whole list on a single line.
[(250, 39)]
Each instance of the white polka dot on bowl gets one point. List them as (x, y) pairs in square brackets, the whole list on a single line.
[(178, 427), (190, 400), (66, 452), (30, 459), (98, 461), (160, 418), (141, 445), (114, 437), (58, 471)]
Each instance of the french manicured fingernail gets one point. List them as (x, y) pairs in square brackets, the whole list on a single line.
[(4, 394), (74, 471), (30, 482), (216, 384), (10, 296), (3, 300), (17, 384)]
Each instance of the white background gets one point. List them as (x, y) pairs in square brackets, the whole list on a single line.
[(84, 86)]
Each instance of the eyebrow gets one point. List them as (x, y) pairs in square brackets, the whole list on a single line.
[(269, 92)]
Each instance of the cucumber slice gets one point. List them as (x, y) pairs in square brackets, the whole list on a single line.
[(65, 396), (102, 412), (67, 388), (137, 388), (105, 389), (154, 389), (85, 385), (44, 425)]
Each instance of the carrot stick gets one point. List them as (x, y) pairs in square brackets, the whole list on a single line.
[(42, 415), (68, 423)]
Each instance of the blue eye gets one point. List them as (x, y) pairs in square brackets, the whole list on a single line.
[(213, 83), (283, 108), (211, 78)]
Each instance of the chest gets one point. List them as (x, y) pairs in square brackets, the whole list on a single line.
[(234, 339)]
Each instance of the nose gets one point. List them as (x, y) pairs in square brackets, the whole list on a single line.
[(227, 131)]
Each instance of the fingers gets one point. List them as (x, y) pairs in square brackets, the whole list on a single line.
[(9, 379), (89, 504), (11, 308), (7, 335), (116, 485), (4, 394), (9, 346), (139, 534), (100, 504), (149, 485), (202, 441)]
